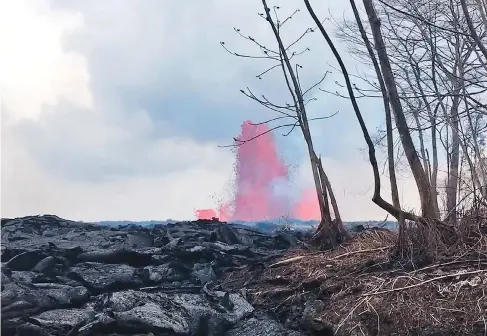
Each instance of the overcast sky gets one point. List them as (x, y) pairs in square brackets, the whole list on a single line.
[(114, 109)]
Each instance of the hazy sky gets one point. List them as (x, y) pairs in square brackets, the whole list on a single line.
[(114, 109)]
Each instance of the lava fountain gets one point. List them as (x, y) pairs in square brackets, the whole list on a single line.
[(260, 173)]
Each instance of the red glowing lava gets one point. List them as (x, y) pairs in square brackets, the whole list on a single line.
[(260, 173)]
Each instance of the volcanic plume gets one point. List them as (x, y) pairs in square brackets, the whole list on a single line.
[(260, 174)]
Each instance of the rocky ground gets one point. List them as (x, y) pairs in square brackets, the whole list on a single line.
[(61, 277), (208, 278)]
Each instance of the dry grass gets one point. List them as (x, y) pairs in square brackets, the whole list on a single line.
[(366, 290)]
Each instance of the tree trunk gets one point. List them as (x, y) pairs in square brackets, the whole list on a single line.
[(451, 188), (337, 223), (328, 229), (424, 189), (320, 193), (327, 185), (330, 232), (434, 169)]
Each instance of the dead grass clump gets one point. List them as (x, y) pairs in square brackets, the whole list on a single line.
[(428, 241), (362, 289), (421, 244), (473, 231)]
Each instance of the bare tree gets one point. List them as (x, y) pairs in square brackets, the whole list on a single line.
[(331, 231)]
